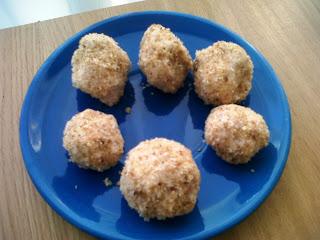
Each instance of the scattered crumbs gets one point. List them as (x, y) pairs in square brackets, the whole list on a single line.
[(107, 182), (152, 93), (75, 187), (118, 183), (127, 110), (252, 170)]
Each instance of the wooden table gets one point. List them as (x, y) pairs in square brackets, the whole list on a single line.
[(286, 32)]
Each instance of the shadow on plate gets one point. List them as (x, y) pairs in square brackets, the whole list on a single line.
[(78, 188), (250, 177), (161, 103), (85, 101), (198, 110), (174, 227), (246, 102)]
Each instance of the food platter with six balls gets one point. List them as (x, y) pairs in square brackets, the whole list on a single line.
[(189, 192)]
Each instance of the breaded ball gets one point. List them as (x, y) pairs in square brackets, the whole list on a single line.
[(236, 133), (164, 59), (93, 140), (100, 68), (160, 179), (223, 73)]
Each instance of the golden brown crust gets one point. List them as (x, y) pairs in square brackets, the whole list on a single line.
[(160, 179), (236, 133), (93, 140), (164, 59), (100, 68), (223, 73)]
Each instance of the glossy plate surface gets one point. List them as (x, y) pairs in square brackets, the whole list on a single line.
[(228, 193)]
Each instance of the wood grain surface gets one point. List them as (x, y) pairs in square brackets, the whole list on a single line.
[(286, 32)]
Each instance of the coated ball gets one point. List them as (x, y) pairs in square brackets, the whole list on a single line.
[(160, 179), (236, 133), (164, 59), (223, 73), (100, 68), (93, 140)]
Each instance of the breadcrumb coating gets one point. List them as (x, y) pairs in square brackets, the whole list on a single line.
[(100, 68), (93, 140), (236, 133), (223, 73), (160, 179), (164, 59)]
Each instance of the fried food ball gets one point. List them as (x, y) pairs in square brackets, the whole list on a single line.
[(160, 179), (100, 68), (93, 140), (236, 133), (223, 73), (164, 59)]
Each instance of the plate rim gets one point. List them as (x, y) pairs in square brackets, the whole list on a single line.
[(73, 218)]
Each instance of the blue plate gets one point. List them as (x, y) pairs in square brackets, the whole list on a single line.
[(228, 193)]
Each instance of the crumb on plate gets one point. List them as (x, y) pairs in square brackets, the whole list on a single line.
[(127, 110), (107, 182)]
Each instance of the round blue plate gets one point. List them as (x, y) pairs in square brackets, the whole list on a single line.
[(228, 193)]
